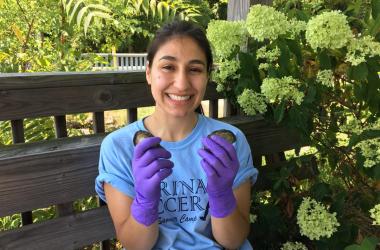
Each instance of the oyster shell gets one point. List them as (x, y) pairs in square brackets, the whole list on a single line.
[(224, 133), (140, 135)]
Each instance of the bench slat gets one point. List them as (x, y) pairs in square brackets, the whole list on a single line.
[(68, 232), (75, 93), (41, 180)]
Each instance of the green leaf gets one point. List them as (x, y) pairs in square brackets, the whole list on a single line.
[(321, 190), (338, 202), (365, 135), (81, 14), (166, 11), (243, 83), (153, 7), (160, 10), (137, 4), (91, 15), (145, 7), (359, 72), (324, 60), (246, 61), (369, 243), (360, 91), (172, 14), (279, 112), (374, 29), (295, 48), (181, 16), (74, 11), (67, 6), (353, 247), (375, 4), (311, 94), (375, 172), (99, 7), (284, 59)]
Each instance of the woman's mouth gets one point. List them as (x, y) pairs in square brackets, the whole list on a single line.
[(179, 97)]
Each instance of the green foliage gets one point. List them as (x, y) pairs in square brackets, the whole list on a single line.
[(315, 63), (10, 222), (84, 13)]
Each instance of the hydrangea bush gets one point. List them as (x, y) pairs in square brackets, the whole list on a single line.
[(311, 66)]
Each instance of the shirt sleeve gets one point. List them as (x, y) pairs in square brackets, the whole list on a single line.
[(114, 168), (246, 169)]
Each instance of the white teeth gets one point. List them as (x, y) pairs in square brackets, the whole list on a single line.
[(179, 98)]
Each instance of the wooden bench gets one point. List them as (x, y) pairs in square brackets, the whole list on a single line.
[(62, 170)]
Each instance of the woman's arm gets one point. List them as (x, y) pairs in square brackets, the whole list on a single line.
[(130, 233), (232, 230)]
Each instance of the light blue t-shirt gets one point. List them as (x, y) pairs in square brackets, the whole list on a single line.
[(184, 221)]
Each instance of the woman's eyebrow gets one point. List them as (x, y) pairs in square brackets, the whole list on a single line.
[(172, 58), (197, 61)]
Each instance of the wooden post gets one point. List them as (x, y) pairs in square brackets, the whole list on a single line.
[(115, 63), (237, 9)]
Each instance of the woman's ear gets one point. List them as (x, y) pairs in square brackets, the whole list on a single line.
[(148, 73)]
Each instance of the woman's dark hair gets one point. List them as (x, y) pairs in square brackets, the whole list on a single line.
[(181, 29)]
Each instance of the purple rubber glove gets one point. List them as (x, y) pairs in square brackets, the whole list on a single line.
[(220, 162), (150, 166)]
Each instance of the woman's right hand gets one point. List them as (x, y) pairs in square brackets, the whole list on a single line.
[(149, 166)]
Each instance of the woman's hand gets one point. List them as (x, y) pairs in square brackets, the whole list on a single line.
[(220, 162), (149, 166)]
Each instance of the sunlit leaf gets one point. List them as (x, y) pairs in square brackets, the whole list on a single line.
[(18, 33), (74, 11), (92, 14)]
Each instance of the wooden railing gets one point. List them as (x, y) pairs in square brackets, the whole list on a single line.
[(121, 62), (62, 170)]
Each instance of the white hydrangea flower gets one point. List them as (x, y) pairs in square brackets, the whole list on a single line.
[(370, 149), (252, 218), (375, 215), (265, 22), (328, 30), (285, 88), (264, 66), (326, 77), (296, 27), (225, 69), (270, 55), (226, 36), (293, 246), (252, 102), (315, 221), (360, 48)]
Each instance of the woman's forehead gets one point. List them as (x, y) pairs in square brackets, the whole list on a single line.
[(178, 48)]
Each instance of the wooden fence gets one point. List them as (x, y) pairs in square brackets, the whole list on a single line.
[(60, 171), (120, 62)]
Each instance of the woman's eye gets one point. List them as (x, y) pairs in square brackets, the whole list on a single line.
[(168, 67), (196, 70)]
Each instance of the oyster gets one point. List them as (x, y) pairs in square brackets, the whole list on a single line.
[(224, 133), (140, 135)]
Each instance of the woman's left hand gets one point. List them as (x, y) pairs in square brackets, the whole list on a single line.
[(221, 164)]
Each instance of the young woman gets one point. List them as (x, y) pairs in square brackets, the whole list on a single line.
[(181, 188)]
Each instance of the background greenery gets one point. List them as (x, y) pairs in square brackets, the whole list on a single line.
[(311, 66)]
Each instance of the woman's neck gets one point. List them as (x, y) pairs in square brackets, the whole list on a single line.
[(170, 128)]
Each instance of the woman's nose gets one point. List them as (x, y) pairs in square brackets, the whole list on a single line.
[(182, 80)]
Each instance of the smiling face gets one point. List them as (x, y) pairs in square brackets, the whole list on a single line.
[(178, 77)]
